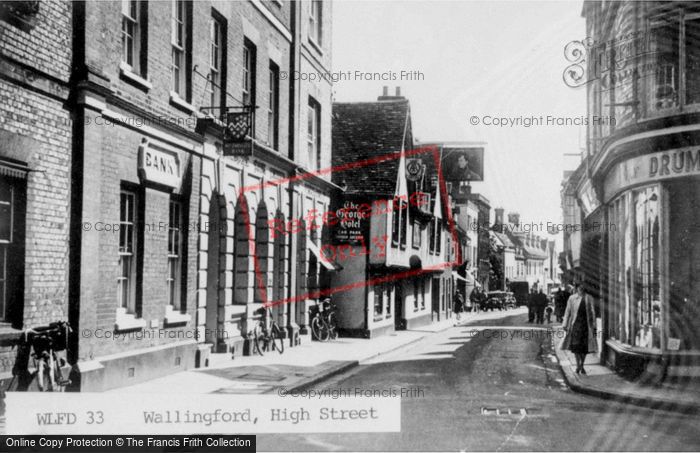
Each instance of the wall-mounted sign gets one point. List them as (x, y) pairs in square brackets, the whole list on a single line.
[(414, 169), (462, 163), (652, 167), (353, 221), (159, 166)]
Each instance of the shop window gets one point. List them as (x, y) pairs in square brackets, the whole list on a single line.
[(415, 294), (391, 293), (683, 264), (646, 278), (126, 281), (422, 294), (378, 300), (175, 244), (12, 221)]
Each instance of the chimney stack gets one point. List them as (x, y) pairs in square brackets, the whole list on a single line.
[(387, 97), (514, 218)]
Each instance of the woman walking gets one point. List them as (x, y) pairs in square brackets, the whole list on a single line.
[(580, 327), (459, 304)]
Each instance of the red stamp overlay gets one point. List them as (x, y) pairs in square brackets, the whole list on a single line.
[(344, 221)]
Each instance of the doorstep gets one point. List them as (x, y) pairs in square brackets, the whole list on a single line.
[(602, 382)]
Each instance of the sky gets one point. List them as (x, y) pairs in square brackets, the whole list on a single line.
[(483, 59)]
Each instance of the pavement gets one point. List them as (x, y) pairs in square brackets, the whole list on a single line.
[(296, 368), (601, 381)]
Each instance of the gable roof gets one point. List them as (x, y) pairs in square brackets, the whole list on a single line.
[(363, 130)]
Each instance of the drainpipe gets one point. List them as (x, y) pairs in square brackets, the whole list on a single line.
[(291, 148)]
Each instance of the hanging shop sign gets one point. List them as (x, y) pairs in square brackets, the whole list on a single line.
[(353, 217), (414, 169), (158, 166), (652, 167)]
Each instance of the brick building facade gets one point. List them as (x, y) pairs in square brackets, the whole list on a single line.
[(35, 161)]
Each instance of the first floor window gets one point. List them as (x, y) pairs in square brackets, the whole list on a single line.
[(173, 279), (181, 48), (126, 282), (273, 106), (313, 136), (416, 235)]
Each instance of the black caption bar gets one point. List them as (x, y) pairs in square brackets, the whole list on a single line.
[(126, 443)]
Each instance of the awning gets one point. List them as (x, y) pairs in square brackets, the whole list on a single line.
[(13, 170), (469, 280), (331, 265)]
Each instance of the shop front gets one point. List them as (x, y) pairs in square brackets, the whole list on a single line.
[(653, 255)]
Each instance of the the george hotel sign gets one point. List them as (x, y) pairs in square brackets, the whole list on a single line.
[(652, 167), (159, 166)]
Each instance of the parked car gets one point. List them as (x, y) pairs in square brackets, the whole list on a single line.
[(495, 300)]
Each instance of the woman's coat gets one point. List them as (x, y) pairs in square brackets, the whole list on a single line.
[(570, 314)]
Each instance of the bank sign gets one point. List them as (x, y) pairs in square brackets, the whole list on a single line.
[(652, 167), (159, 166)]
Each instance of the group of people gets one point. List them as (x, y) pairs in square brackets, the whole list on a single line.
[(577, 315), (573, 307), (536, 305), (476, 299)]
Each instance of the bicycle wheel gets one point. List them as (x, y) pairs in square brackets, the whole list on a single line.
[(277, 338), (60, 382), (318, 329), (258, 335), (332, 323)]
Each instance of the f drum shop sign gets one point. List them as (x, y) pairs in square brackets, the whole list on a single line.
[(158, 165), (353, 217)]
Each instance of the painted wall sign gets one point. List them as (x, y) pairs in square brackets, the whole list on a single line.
[(159, 166), (652, 167)]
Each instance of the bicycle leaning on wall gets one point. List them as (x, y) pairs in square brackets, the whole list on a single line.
[(41, 344), (324, 324)]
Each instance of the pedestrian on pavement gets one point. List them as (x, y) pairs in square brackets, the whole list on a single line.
[(531, 306), (540, 305), (548, 314), (475, 299), (459, 304), (580, 327), (560, 301)]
